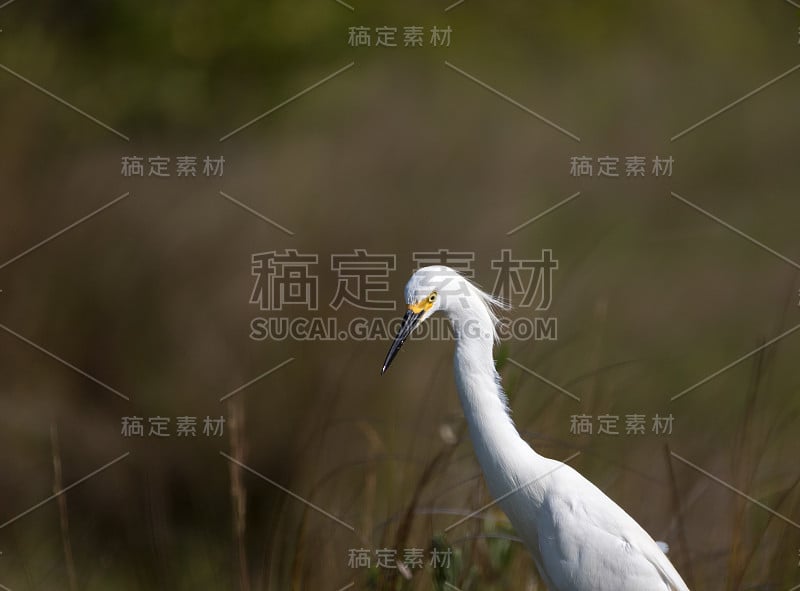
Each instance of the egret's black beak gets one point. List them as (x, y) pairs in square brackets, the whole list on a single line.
[(410, 321)]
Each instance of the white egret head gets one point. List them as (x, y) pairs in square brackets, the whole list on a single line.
[(435, 288)]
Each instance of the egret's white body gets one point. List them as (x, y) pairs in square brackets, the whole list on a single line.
[(580, 539)]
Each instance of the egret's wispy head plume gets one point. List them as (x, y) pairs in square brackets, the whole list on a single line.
[(493, 304)]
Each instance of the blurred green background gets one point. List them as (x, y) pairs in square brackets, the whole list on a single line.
[(398, 154)]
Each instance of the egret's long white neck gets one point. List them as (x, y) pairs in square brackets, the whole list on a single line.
[(506, 459)]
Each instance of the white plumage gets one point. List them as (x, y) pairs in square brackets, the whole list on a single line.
[(580, 539)]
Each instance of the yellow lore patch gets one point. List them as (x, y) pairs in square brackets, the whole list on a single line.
[(419, 306)]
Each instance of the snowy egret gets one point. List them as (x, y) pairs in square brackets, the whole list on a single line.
[(580, 539)]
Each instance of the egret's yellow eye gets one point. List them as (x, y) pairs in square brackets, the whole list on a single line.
[(424, 304)]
